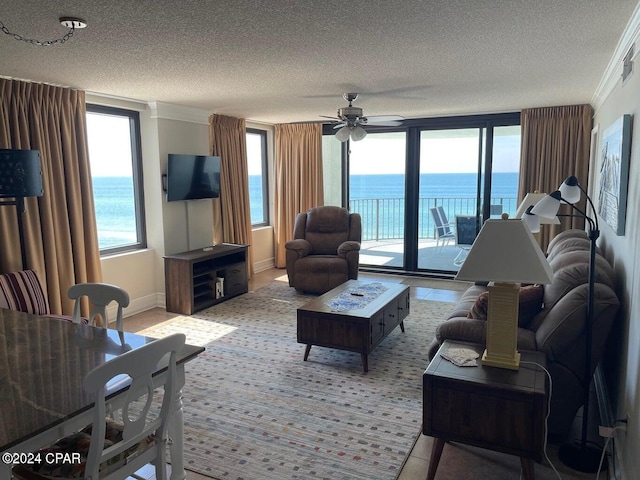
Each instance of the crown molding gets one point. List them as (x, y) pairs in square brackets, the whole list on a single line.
[(613, 73), (114, 100), (177, 112)]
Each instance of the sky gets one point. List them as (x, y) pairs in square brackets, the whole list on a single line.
[(450, 151), (440, 152), (109, 145)]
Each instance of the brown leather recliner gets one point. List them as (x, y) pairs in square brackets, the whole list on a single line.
[(325, 249)]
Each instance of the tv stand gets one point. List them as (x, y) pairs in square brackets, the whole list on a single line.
[(199, 279)]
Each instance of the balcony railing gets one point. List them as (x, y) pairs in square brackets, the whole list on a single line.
[(383, 218)]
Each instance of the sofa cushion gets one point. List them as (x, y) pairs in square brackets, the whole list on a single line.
[(529, 299), (559, 237), (570, 244), (462, 307)]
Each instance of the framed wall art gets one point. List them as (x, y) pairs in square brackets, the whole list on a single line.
[(614, 174)]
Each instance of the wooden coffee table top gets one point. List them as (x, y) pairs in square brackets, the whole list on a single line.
[(319, 305)]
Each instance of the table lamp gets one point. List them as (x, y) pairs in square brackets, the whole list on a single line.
[(505, 253)]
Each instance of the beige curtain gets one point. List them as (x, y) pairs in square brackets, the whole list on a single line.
[(555, 144), (231, 213), (298, 178), (60, 228)]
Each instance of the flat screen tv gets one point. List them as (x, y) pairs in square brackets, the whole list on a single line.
[(191, 177)]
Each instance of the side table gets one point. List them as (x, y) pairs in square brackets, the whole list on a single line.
[(487, 407)]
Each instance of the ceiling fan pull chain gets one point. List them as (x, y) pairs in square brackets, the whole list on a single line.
[(70, 22)]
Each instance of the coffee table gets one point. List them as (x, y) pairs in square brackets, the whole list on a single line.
[(356, 330)]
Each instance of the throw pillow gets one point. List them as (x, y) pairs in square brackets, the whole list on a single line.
[(530, 303)]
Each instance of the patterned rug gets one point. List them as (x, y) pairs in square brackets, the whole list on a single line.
[(253, 409)]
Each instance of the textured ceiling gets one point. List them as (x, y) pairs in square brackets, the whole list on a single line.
[(290, 60)]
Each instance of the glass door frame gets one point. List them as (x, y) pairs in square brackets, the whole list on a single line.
[(413, 127)]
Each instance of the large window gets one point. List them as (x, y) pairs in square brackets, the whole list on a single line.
[(116, 172), (424, 188), (258, 181)]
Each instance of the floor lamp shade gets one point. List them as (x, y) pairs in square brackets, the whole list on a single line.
[(20, 177), (20, 173), (505, 253), (530, 200)]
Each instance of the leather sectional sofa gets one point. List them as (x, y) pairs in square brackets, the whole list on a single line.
[(556, 327)]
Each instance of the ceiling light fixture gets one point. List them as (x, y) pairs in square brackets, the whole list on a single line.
[(355, 132), (72, 23)]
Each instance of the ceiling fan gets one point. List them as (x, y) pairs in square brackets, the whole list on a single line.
[(351, 120)]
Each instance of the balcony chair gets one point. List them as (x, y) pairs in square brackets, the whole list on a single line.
[(325, 249), (465, 232), (114, 450), (495, 210), (444, 232), (100, 295)]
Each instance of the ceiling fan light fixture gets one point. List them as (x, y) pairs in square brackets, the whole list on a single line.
[(343, 133), (358, 133)]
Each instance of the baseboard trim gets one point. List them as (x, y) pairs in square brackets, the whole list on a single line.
[(138, 305), (263, 265)]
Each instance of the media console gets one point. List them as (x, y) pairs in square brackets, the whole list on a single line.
[(198, 279)]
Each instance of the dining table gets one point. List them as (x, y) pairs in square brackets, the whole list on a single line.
[(43, 362)]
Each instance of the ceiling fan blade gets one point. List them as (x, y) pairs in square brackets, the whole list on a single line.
[(330, 118), (393, 123), (384, 118), (339, 125)]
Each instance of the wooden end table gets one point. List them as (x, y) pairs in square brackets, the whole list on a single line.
[(488, 407)]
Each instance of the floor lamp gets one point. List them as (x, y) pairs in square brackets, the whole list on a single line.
[(20, 177), (533, 221), (581, 457)]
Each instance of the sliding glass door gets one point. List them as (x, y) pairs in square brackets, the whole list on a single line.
[(449, 195), (425, 188), (377, 193)]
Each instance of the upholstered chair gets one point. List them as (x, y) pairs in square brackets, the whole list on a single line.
[(22, 291), (325, 250)]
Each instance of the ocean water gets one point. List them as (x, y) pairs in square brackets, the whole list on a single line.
[(115, 213), (379, 198)]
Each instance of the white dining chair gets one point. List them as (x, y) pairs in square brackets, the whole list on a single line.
[(113, 451), (100, 295)]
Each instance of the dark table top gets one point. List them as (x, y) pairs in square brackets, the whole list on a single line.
[(528, 378), (320, 304), (42, 365)]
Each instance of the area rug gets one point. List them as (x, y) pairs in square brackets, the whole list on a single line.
[(253, 409)]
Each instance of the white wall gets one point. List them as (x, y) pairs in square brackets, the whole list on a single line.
[(171, 226), (622, 360)]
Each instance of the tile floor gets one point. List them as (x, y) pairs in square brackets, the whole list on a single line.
[(483, 464)]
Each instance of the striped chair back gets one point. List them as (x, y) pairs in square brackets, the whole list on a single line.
[(22, 291)]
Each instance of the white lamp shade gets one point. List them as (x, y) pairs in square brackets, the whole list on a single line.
[(358, 133), (548, 206), (343, 134), (530, 200), (532, 221), (505, 251), (570, 190)]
